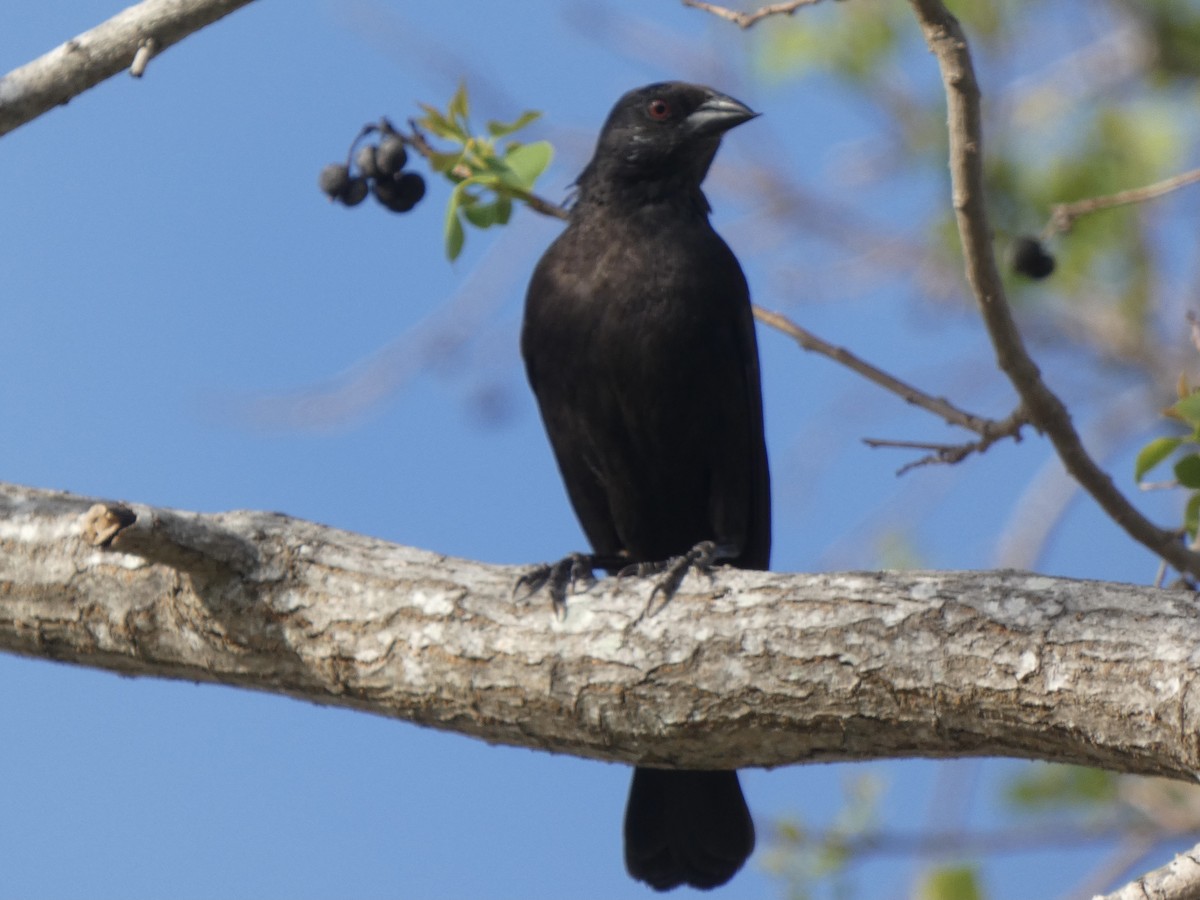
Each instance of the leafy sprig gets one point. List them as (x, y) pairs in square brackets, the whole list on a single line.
[(488, 171), (1186, 450)]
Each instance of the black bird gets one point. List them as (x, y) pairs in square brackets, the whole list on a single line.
[(639, 343)]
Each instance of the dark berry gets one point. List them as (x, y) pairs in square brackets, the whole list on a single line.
[(391, 156), (1029, 258), (385, 192), (412, 187), (355, 192), (399, 194), (333, 180), (367, 163)]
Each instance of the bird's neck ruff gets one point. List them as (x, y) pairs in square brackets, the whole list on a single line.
[(634, 190)]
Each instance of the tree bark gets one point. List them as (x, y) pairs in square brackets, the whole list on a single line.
[(752, 669), (87, 59), (1177, 880)]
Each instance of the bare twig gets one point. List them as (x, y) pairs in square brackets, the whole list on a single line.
[(1063, 215), (950, 454), (989, 430), (1177, 880), (745, 20), (542, 205), (141, 58), (809, 341), (84, 61), (1046, 411)]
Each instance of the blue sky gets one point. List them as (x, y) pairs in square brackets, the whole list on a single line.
[(172, 285)]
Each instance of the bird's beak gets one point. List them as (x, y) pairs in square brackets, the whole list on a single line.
[(718, 114)]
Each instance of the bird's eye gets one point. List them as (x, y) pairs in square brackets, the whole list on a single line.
[(659, 110)]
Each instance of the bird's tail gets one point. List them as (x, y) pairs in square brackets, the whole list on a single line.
[(684, 827)]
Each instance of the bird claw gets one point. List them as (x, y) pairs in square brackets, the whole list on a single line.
[(561, 576), (642, 569), (700, 559)]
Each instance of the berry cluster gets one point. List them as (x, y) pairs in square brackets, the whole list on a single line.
[(1028, 257), (377, 168)]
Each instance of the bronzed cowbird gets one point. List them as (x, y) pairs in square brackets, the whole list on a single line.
[(639, 343)]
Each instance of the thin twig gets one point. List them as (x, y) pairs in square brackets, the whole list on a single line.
[(988, 429), (541, 205), (421, 144), (89, 58), (1063, 215), (745, 20), (1046, 411), (951, 454)]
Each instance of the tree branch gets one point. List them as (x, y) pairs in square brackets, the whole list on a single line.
[(1177, 880), (989, 430), (745, 20), (755, 669), (952, 454), (1046, 412), (83, 62), (1063, 215)]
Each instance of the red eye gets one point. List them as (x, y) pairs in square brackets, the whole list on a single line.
[(659, 110)]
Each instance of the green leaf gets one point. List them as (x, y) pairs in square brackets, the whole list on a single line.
[(481, 215), (503, 209), (1191, 515), (527, 161), (499, 177), (951, 883), (458, 104), (1188, 409), (454, 228), (1154, 453), (444, 162), (434, 121), (504, 129), (1187, 471)]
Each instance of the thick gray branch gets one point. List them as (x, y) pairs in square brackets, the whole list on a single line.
[(755, 669), (84, 61)]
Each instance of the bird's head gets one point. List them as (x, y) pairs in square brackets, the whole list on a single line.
[(662, 137)]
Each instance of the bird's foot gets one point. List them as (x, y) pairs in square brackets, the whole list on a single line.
[(700, 559), (643, 569), (561, 577)]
